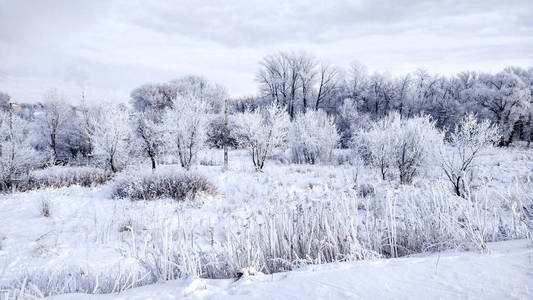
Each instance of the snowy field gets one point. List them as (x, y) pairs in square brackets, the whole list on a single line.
[(89, 242)]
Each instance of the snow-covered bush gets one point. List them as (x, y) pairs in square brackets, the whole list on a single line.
[(313, 136), (466, 143), (408, 145), (162, 184), (63, 176), (112, 136), (262, 131), (186, 129)]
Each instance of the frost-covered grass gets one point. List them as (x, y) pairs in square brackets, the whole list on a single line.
[(502, 274), (278, 220)]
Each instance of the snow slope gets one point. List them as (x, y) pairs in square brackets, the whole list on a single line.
[(505, 273)]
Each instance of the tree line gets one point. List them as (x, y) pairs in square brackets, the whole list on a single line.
[(303, 105)]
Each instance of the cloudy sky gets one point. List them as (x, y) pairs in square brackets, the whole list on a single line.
[(110, 47)]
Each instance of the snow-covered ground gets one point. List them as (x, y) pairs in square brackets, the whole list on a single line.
[(505, 273), (89, 233)]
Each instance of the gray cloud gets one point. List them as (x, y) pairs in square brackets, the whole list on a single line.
[(112, 46)]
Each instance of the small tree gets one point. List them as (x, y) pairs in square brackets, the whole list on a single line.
[(313, 136), (415, 145), (112, 136), (465, 143), (186, 128), (150, 134), (261, 131)]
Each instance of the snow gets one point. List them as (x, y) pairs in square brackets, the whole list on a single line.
[(505, 273)]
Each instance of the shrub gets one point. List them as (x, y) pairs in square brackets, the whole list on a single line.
[(59, 176), (313, 137), (408, 145), (160, 184)]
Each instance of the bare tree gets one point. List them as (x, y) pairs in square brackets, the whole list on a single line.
[(307, 75), (465, 143), (328, 77), (287, 78)]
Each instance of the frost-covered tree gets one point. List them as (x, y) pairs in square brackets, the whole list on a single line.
[(504, 98), (153, 96), (261, 131), (313, 136), (467, 141), (72, 139), (160, 96), (415, 145), (112, 136), (374, 145), (198, 87), (151, 135), (87, 125), (408, 145), (16, 153), (186, 126), (52, 120), (350, 121)]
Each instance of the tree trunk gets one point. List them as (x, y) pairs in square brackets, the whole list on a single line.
[(112, 163), (225, 145), (152, 158)]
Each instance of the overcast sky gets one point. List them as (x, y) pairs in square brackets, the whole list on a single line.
[(110, 47)]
